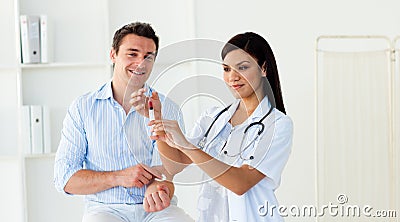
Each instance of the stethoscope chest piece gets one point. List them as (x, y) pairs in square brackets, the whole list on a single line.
[(202, 142)]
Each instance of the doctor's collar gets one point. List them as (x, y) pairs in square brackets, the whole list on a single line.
[(262, 108)]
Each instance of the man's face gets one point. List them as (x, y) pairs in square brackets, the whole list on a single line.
[(134, 61)]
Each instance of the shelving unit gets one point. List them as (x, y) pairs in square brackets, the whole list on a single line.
[(56, 87), (78, 46), (79, 40)]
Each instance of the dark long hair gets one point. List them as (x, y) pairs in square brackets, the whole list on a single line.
[(259, 49)]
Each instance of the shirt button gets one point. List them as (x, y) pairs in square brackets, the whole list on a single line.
[(130, 193)]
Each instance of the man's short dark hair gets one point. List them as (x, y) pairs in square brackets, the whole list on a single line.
[(137, 28)]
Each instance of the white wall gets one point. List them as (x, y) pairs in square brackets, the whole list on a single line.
[(291, 27)]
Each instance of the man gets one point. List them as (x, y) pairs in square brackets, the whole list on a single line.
[(105, 150)]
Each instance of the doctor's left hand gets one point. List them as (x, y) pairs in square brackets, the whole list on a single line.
[(169, 131)]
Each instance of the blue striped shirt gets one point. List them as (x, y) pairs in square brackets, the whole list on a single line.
[(98, 135)]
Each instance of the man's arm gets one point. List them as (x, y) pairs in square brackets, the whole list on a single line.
[(158, 194), (88, 181)]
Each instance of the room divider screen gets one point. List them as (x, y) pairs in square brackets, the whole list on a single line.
[(357, 167)]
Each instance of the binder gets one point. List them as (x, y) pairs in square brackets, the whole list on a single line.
[(46, 130), (30, 38), (26, 129), (44, 56), (37, 129)]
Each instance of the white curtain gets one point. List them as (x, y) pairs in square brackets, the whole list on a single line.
[(396, 84), (354, 131)]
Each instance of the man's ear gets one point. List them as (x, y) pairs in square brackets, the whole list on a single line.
[(113, 54)]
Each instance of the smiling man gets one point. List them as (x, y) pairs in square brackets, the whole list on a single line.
[(105, 152)]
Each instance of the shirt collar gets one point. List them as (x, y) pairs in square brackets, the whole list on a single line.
[(233, 108), (261, 109), (259, 112), (105, 92)]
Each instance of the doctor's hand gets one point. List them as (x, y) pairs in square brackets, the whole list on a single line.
[(156, 198), (141, 103), (169, 132)]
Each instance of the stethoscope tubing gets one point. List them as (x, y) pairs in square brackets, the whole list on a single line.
[(202, 142)]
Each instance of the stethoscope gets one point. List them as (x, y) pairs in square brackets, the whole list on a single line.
[(203, 141)]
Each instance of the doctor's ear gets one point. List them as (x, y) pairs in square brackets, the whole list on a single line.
[(264, 69)]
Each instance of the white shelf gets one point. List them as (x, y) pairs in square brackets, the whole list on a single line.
[(9, 158), (40, 156), (63, 65), (6, 68)]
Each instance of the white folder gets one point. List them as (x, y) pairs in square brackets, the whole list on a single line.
[(30, 38), (46, 130), (37, 129), (26, 129), (43, 39)]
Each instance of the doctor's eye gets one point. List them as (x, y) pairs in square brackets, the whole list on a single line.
[(226, 69), (243, 67)]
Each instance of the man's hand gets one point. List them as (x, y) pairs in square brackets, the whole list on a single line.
[(157, 197), (141, 103), (135, 176)]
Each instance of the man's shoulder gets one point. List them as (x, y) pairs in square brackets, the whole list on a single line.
[(86, 98), (89, 97)]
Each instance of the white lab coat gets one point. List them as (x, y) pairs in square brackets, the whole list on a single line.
[(270, 151)]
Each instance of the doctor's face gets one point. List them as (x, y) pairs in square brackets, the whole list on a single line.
[(242, 74), (134, 61)]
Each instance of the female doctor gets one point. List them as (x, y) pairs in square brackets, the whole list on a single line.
[(243, 147)]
